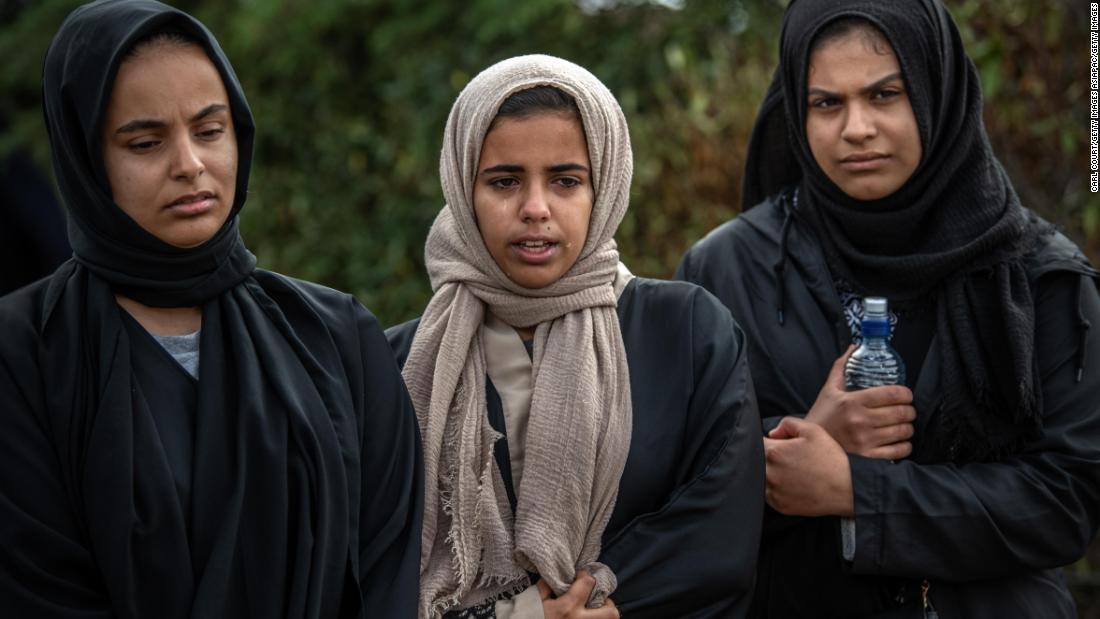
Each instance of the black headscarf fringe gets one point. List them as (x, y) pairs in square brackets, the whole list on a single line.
[(780, 266)]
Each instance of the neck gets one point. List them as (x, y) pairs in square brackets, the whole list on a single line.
[(163, 320), (525, 333)]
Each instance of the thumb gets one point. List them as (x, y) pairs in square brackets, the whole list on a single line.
[(836, 373), (545, 592), (789, 427), (780, 431)]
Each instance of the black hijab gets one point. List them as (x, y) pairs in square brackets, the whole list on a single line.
[(955, 232), (266, 532), (77, 79)]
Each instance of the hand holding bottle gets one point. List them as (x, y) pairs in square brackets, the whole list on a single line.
[(876, 422)]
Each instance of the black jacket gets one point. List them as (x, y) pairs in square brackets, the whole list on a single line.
[(52, 561), (683, 537), (989, 537)]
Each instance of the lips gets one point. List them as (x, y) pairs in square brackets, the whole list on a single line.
[(534, 250), (863, 162), (192, 204)]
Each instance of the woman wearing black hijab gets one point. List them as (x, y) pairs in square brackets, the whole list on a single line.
[(266, 465), (870, 173)]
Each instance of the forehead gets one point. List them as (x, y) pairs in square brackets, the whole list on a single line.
[(854, 56), (540, 135), (165, 77)]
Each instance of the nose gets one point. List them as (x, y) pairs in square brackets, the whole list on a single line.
[(859, 124), (187, 160), (535, 206)]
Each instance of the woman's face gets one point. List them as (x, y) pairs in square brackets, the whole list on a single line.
[(533, 196), (168, 144), (859, 122)]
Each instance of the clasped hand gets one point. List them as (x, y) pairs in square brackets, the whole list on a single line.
[(806, 460), (572, 603), (875, 422)]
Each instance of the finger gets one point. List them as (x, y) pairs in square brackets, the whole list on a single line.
[(895, 433), (886, 395), (896, 451), (892, 415), (836, 373), (792, 427), (782, 431), (545, 592), (777, 434), (883, 437), (607, 611), (775, 501), (580, 590)]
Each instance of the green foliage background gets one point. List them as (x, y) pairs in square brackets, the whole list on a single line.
[(350, 97)]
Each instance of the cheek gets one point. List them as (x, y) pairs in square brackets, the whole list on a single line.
[(817, 138), (580, 222), (909, 134), (129, 185), (487, 220), (231, 179), (225, 162), (916, 150)]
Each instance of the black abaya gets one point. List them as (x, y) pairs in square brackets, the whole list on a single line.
[(683, 537), (302, 497)]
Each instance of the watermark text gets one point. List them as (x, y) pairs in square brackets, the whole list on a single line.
[(1094, 97)]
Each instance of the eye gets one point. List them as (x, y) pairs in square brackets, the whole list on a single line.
[(210, 132), (504, 182), (824, 103), (143, 145), (569, 182), (887, 93)]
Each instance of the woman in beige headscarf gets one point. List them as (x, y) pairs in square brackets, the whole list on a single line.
[(588, 436)]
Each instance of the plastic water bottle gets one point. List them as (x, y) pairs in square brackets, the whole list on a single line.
[(875, 362)]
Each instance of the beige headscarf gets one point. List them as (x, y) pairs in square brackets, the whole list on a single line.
[(580, 419)]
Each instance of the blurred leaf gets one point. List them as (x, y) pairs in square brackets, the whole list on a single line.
[(350, 98)]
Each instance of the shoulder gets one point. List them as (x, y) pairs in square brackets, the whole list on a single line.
[(662, 295), (749, 238), (20, 321), (322, 317), (295, 297), (760, 224), (283, 287), (19, 308), (681, 307), (1055, 252), (400, 339), (21, 317)]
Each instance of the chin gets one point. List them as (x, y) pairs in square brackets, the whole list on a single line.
[(533, 281), (533, 284), (188, 241), (867, 191), (190, 234)]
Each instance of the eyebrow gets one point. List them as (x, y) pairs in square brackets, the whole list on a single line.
[(568, 167), (513, 168), (865, 90), (145, 123)]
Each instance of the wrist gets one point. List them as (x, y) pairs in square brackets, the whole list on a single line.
[(843, 492)]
